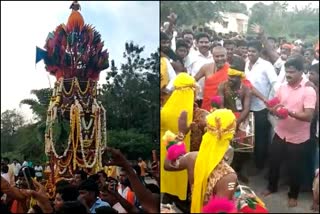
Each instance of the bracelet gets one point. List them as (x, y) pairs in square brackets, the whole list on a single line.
[(180, 137)]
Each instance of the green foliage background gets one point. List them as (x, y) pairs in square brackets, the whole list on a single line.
[(130, 97)]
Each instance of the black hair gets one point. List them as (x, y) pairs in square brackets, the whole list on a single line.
[(187, 32), (255, 44), (103, 173), (164, 36), (82, 173), (315, 68), (153, 188), (137, 169), (37, 209), (73, 207), (202, 35), (6, 159), (68, 193), (229, 42), (295, 61), (181, 43), (94, 177), (249, 38), (215, 44), (31, 170), (4, 168), (105, 209), (311, 50), (272, 38), (90, 186), (238, 63), (62, 183), (241, 42)]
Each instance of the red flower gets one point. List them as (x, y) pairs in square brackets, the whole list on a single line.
[(282, 113), (237, 114), (216, 101), (273, 102)]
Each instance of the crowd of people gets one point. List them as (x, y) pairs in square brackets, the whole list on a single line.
[(270, 83), (120, 187)]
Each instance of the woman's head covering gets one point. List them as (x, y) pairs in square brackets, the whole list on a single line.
[(181, 99), (215, 142)]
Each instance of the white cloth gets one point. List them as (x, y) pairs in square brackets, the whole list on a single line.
[(16, 169), (25, 163), (314, 62), (278, 65), (196, 61), (38, 170), (262, 76), (123, 192), (6, 176), (119, 208), (172, 75)]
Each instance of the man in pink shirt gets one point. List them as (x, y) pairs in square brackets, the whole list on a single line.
[(293, 132)]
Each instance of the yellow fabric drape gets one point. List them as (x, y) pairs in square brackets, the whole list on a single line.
[(182, 99), (234, 72), (215, 142), (164, 76)]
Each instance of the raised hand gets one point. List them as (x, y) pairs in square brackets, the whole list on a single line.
[(257, 29), (172, 17), (117, 157), (183, 123)]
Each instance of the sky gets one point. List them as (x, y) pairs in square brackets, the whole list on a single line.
[(291, 4), (25, 25)]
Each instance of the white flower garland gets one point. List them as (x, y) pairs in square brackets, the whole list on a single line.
[(87, 165)]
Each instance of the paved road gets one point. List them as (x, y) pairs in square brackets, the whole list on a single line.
[(277, 202)]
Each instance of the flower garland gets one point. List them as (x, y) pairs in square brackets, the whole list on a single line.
[(51, 139), (94, 132), (68, 93), (230, 97), (87, 87)]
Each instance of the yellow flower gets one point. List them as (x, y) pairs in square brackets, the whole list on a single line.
[(168, 137)]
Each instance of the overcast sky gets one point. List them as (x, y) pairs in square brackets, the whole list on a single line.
[(291, 4), (25, 25)]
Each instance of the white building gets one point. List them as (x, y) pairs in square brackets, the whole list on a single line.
[(235, 22)]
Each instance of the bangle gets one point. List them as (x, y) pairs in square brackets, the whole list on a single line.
[(180, 136)]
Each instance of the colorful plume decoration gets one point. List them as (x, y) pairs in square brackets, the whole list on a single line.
[(74, 50), (219, 205), (174, 149), (215, 103)]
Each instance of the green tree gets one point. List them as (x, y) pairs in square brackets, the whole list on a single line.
[(190, 13), (231, 6), (278, 21), (11, 121), (40, 105), (131, 95)]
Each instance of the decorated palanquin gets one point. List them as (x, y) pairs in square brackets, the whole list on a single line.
[(76, 121)]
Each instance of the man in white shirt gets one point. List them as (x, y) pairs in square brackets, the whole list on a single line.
[(262, 75), (39, 170), (16, 169), (200, 58)]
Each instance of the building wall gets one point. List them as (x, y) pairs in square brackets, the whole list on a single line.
[(235, 22)]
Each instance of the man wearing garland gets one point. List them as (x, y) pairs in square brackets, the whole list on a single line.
[(236, 96)]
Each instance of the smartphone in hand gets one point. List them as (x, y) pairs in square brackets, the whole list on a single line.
[(28, 178)]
